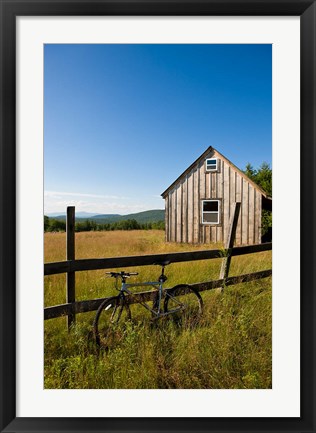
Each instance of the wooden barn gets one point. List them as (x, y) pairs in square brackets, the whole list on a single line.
[(198, 204)]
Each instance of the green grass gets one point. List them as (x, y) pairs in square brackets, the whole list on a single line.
[(230, 348)]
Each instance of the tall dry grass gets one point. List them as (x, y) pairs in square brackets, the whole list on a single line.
[(230, 348)]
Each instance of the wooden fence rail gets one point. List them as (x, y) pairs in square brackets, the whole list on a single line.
[(71, 266), (131, 261)]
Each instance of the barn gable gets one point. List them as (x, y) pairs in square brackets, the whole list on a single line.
[(200, 201)]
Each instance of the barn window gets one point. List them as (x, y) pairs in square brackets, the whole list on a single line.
[(211, 164), (210, 211)]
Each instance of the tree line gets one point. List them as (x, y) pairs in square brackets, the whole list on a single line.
[(58, 225)]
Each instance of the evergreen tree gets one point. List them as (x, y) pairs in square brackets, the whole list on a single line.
[(46, 223), (263, 178)]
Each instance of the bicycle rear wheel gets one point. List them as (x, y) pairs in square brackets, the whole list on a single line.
[(110, 320), (185, 305)]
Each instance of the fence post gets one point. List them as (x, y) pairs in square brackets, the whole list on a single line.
[(230, 242), (70, 247)]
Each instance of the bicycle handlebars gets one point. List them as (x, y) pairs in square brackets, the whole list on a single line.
[(121, 274), (125, 275)]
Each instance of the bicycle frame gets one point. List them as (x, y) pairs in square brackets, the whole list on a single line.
[(119, 303), (158, 285)]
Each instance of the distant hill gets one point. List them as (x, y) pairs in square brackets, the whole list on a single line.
[(148, 216), (60, 215)]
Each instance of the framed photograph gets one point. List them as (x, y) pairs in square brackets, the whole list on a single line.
[(151, 130)]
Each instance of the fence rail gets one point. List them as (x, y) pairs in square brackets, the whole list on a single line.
[(71, 266), (121, 262)]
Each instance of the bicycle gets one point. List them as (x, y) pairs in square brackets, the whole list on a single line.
[(181, 301)]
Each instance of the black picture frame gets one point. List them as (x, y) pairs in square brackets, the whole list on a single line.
[(10, 9)]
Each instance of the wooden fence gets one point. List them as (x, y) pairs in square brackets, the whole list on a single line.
[(71, 266)]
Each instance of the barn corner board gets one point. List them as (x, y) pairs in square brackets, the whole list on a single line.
[(199, 203)]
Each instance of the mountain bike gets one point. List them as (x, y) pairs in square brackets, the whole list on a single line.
[(183, 302)]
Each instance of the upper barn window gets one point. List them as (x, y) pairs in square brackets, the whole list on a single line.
[(211, 164), (210, 211)]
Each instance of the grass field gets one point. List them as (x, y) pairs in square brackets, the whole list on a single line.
[(230, 348)]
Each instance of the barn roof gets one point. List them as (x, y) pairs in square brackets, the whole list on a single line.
[(204, 154)]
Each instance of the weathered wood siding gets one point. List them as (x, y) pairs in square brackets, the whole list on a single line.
[(183, 204)]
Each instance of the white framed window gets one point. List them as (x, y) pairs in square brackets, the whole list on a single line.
[(211, 211), (211, 164)]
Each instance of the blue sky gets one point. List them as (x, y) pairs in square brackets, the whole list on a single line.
[(122, 122)]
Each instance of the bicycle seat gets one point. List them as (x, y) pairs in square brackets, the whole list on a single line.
[(165, 263)]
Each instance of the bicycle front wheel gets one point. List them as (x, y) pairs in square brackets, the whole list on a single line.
[(110, 322), (185, 305)]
